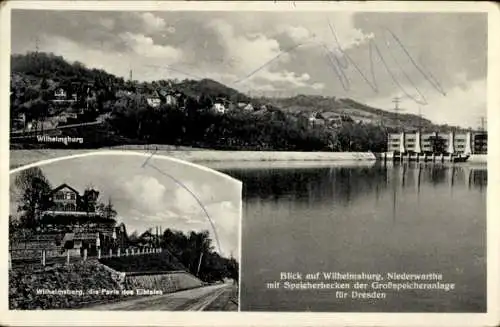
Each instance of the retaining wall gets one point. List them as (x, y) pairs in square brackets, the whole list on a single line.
[(166, 282)]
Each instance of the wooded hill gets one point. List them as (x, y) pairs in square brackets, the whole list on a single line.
[(299, 123)]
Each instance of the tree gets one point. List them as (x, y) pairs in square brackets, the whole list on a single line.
[(107, 210), (34, 189), (133, 238), (88, 200)]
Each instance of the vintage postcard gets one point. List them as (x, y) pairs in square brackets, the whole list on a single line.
[(272, 163)]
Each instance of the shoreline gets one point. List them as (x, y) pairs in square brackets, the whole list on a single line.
[(210, 158), (20, 158)]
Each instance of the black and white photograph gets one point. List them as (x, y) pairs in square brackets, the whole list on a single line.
[(272, 158), (123, 232)]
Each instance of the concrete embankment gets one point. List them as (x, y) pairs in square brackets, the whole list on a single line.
[(152, 279), (23, 157), (478, 158)]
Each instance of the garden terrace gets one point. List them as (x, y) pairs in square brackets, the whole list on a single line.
[(69, 218)]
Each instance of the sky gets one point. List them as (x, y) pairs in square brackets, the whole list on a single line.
[(146, 197), (436, 63)]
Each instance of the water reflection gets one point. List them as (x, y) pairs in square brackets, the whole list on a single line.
[(409, 217), (344, 184)]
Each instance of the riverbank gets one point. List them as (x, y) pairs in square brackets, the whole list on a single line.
[(20, 158), (478, 158)]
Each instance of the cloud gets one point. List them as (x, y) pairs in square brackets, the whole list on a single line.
[(145, 46), (107, 22), (463, 104), (256, 60), (146, 193), (297, 34), (103, 58), (151, 22)]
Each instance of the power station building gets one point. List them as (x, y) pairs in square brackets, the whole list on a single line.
[(465, 143)]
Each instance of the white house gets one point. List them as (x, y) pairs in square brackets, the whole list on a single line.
[(153, 101), (171, 100), (60, 93), (219, 108)]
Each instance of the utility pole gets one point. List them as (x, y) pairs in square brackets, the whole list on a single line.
[(397, 109), (483, 123), (37, 40), (419, 118), (199, 264)]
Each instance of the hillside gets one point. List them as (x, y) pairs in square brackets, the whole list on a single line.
[(348, 107), (198, 113)]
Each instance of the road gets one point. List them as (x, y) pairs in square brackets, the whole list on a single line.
[(25, 133), (196, 299)]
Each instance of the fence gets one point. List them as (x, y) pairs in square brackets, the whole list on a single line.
[(46, 256)]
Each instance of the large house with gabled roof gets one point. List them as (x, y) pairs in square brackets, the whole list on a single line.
[(75, 217)]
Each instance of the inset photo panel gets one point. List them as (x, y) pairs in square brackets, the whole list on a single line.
[(123, 231)]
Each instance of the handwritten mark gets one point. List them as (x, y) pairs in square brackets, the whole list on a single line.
[(148, 158), (341, 61), (179, 183), (340, 64), (267, 63)]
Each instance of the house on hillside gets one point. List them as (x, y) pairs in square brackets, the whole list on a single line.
[(61, 95), (123, 94), (74, 216), (319, 122), (148, 239), (66, 198), (221, 106), (153, 100), (332, 118), (245, 106), (169, 96), (312, 117), (248, 107), (19, 122)]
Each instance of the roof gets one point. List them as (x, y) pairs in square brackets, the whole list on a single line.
[(92, 191), (329, 114), (68, 237), (85, 236), (64, 185)]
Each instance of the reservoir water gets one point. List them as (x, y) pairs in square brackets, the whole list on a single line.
[(409, 218)]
